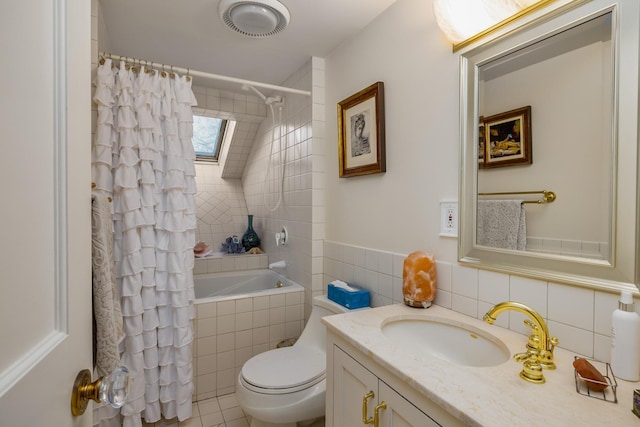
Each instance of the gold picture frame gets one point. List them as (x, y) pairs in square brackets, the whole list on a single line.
[(507, 140), (361, 139)]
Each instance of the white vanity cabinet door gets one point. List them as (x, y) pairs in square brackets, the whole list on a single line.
[(399, 411), (352, 382)]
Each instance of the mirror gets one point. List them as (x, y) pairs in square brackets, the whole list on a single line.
[(553, 105)]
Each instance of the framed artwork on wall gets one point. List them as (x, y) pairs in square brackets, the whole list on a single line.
[(361, 141), (481, 143), (507, 138)]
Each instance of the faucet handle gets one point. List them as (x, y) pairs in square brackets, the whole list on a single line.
[(530, 324), (534, 338)]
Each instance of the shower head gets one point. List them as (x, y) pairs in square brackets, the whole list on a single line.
[(260, 94)]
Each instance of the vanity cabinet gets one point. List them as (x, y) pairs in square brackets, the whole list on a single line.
[(358, 387)]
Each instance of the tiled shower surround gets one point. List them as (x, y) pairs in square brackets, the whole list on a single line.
[(579, 317), (230, 332)]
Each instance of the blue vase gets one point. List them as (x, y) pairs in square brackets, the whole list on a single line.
[(250, 238)]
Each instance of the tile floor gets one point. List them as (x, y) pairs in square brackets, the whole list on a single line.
[(221, 411)]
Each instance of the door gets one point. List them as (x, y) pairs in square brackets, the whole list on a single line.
[(399, 412), (351, 383), (45, 222)]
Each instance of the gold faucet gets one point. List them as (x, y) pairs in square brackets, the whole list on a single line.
[(539, 354)]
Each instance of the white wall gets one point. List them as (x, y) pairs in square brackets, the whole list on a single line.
[(399, 210)]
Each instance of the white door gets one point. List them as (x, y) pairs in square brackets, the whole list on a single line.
[(45, 222), (399, 412), (353, 384)]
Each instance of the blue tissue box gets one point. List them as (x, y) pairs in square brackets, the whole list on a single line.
[(351, 300)]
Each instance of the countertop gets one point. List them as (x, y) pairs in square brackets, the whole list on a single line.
[(484, 396)]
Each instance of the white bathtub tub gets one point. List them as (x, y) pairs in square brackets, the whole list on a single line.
[(241, 284)]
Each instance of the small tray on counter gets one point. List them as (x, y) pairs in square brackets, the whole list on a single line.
[(609, 393)]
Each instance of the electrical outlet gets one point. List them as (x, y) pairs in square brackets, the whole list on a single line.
[(449, 219)]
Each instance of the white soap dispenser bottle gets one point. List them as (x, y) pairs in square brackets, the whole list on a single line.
[(625, 339)]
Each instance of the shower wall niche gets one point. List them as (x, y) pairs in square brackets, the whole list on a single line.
[(221, 206)]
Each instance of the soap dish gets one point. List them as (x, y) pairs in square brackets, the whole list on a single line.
[(608, 394)]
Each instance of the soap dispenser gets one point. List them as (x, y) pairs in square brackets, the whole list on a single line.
[(625, 339)]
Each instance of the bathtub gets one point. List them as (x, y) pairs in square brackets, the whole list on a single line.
[(240, 314), (239, 284)]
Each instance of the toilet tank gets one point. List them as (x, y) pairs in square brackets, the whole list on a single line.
[(314, 333)]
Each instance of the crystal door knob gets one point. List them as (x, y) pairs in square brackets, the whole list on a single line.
[(112, 389)]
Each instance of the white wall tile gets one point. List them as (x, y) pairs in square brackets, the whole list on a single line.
[(206, 310), (206, 364), (206, 346), (464, 281), (260, 303), (464, 305), (226, 342), (493, 287), (276, 301), (530, 292), (207, 326), (572, 338), (226, 324), (226, 308), (260, 318), (385, 264), (276, 315), (602, 347), (443, 299), (244, 305), (605, 304), (244, 321), (443, 276), (244, 339), (571, 305)]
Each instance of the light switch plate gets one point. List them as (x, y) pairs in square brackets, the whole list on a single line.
[(449, 219)]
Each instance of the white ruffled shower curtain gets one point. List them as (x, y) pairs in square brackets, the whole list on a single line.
[(143, 158)]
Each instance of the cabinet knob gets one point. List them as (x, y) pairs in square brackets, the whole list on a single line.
[(366, 397)]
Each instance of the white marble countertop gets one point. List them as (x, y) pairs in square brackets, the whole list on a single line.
[(486, 396)]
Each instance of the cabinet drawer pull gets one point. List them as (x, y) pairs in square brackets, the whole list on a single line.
[(376, 413), (367, 396)]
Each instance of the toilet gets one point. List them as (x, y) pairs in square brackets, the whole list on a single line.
[(285, 387)]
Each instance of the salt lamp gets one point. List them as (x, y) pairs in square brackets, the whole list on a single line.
[(419, 279)]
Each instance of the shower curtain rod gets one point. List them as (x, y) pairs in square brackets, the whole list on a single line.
[(205, 75)]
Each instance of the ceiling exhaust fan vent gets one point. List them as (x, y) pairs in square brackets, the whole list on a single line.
[(258, 18)]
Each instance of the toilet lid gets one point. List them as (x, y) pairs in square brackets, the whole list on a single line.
[(285, 368)]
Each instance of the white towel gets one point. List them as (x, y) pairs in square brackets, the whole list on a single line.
[(502, 224), (106, 300)]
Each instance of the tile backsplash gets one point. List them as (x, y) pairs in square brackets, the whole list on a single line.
[(579, 317)]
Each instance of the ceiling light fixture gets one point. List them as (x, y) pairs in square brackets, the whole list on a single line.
[(258, 18), (462, 19)]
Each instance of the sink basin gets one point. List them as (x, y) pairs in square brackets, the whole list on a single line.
[(461, 344)]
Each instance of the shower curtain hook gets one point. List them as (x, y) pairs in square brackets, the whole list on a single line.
[(188, 75), (164, 73)]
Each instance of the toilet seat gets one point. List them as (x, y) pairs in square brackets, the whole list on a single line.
[(284, 370)]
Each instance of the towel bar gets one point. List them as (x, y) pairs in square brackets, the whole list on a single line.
[(547, 196)]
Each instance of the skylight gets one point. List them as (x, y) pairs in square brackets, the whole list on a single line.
[(208, 134)]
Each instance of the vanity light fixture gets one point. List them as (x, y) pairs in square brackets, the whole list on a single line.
[(254, 18), (464, 21)]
